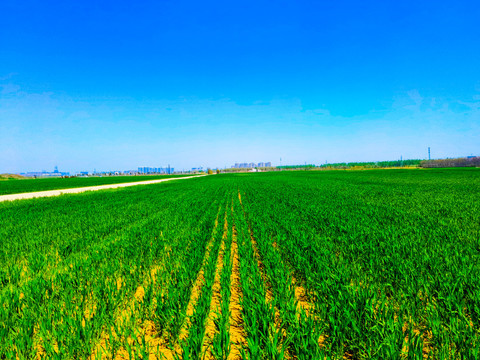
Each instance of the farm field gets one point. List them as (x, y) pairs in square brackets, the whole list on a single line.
[(380, 264), (17, 186)]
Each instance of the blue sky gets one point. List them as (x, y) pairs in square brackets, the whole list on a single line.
[(116, 84)]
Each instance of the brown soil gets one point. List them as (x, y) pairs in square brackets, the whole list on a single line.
[(306, 305), (126, 318), (237, 332), (426, 337), (301, 297), (215, 304), (38, 342)]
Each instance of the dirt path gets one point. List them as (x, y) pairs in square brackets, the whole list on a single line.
[(49, 193)]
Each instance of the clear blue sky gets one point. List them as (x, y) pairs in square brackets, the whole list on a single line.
[(121, 84)]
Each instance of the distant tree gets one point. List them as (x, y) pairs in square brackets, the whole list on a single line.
[(471, 161), (210, 172), (218, 171)]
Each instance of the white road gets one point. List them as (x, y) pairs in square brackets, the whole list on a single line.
[(49, 193)]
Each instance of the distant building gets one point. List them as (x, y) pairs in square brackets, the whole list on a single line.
[(251, 165), (156, 170), (54, 173)]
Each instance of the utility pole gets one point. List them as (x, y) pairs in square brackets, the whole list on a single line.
[(429, 153)]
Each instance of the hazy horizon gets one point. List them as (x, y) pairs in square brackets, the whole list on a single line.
[(115, 86)]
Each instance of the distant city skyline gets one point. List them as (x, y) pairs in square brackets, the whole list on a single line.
[(114, 85), (169, 170)]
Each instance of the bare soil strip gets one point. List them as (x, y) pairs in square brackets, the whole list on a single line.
[(50, 193), (215, 304), (237, 332)]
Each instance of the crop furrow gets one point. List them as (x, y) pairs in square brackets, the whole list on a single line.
[(214, 312), (236, 324)]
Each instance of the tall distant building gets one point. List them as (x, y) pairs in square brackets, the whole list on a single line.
[(268, 164)]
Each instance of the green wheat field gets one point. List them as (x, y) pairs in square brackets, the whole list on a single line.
[(377, 264)]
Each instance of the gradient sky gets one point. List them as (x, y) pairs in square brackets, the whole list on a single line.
[(114, 85)]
